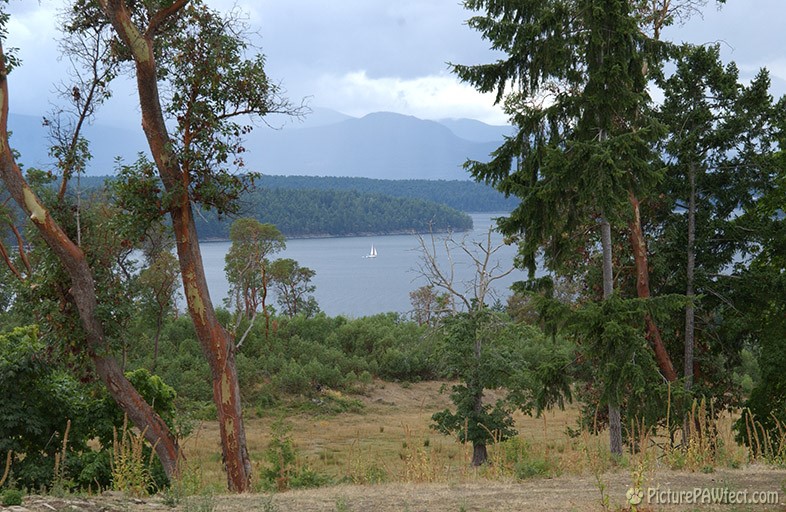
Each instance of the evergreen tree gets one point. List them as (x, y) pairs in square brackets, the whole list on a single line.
[(719, 138), (574, 83), (718, 196)]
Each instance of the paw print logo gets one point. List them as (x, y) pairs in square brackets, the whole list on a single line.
[(634, 496)]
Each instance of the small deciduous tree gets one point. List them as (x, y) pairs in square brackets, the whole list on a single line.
[(247, 264), (158, 284), (292, 284), (428, 306), (472, 349)]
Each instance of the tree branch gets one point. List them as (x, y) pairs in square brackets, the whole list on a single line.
[(9, 263), (20, 247), (161, 16)]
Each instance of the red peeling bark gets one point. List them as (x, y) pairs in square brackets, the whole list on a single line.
[(639, 246), (83, 292), (216, 342)]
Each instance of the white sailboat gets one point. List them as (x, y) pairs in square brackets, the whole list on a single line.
[(373, 253)]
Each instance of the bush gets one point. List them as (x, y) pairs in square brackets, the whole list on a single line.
[(34, 422), (283, 469), (50, 424), (12, 498)]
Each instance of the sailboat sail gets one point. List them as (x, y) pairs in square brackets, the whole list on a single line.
[(373, 253)]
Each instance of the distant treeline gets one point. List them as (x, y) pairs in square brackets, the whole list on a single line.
[(298, 213), (467, 196), (333, 207)]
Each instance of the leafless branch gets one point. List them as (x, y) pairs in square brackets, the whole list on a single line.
[(480, 253)]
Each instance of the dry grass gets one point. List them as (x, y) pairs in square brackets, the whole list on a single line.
[(385, 459), (390, 441)]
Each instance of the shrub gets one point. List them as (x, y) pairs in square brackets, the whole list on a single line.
[(283, 470), (12, 498)]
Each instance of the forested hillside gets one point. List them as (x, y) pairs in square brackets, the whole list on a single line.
[(324, 210), (298, 213), (329, 206), (467, 196)]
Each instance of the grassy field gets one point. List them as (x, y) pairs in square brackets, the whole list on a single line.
[(385, 457), (381, 456), (387, 440)]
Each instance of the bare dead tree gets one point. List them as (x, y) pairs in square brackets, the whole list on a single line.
[(473, 293)]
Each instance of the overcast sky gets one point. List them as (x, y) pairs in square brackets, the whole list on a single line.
[(362, 56)]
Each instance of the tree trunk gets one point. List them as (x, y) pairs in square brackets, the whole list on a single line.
[(639, 245), (157, 339), (608, 269), (479, 454), (615, 422), (219, 350), (216, 342), (690, 314), (615, 430), (264, 302), (83, 292), (690, 276)]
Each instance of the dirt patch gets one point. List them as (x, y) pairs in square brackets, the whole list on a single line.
[(567, 493)]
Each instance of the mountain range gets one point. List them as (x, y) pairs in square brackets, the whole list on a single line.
[(381, 145)]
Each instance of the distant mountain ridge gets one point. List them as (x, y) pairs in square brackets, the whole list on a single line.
[(381, 145)]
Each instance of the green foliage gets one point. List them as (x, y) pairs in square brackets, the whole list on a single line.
[(138, 192), (54, 405), (34, 419), (578, 155), (763, 318), (332, 212), (44, 295), (611, 333), (247, 264), (11, 498), (300, 356), (215, 84), (292, 284), (486, 351), (465, 196), (284, 470)]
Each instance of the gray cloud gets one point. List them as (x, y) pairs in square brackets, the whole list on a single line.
[(367, 55)]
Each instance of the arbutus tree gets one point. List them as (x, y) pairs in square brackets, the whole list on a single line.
[(248, 267), (209, 88), (82, 291), (292, 284), (205, 52)]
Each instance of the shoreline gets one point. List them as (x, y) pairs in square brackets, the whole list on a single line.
[(349, 235)]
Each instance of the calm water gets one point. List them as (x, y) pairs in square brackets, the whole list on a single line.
[(351, 285)]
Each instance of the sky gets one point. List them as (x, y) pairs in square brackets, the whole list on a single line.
[(363, 56)]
